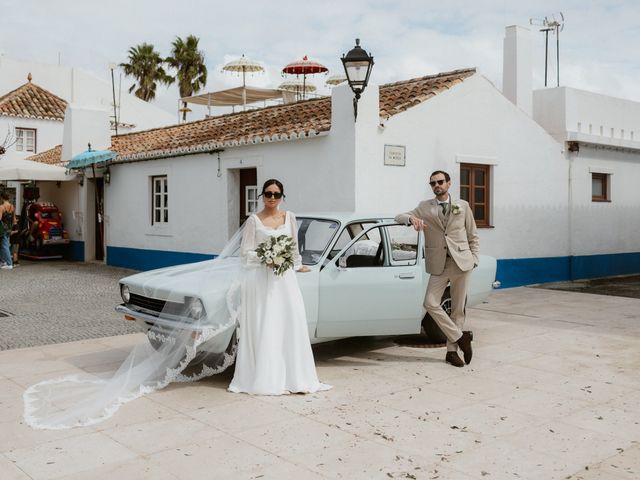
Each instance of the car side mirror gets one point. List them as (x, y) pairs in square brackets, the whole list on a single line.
[(342, 263)]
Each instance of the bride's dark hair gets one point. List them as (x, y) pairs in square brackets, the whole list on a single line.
[(273, 181)]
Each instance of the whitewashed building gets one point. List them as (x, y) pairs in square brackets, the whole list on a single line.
[(78, 87), (521, 158), (34, 100)]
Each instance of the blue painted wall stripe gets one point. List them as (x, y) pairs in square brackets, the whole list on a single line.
[(515, 272), (75, 251), (142, 259), (590, 266), (512, 272)]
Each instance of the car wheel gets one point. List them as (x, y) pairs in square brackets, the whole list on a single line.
[(215, 360), (430, 328)]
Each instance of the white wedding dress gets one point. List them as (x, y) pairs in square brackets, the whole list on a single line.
[(274, 352)]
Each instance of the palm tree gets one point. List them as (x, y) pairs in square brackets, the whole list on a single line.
[(191, 71), (145, 65)]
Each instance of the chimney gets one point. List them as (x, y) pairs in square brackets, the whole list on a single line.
[(83, 125), (516, 70)]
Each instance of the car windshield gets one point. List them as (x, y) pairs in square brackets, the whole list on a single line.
[(49, 214), (314, 236)]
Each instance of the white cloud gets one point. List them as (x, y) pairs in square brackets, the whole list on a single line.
[(407, 37)]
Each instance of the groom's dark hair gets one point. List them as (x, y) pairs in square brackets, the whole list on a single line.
[(273, 181), (446, 175)]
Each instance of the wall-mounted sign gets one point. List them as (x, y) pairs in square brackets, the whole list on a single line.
[(394, 155)]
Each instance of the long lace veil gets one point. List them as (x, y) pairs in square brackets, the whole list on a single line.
[(174, 350)]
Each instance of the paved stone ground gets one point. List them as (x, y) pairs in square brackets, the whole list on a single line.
[(553, 393), (56, 301)]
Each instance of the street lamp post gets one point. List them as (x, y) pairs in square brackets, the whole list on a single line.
[(357, 66)]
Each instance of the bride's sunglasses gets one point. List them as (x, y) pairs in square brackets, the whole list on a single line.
[(276, 195)]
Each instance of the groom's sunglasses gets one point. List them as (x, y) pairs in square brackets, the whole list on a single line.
[(439, 182), (276, 195)]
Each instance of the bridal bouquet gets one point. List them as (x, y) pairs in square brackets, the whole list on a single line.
[(277, 253)]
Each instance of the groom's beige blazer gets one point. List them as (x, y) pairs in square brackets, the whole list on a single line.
[(457, 235)]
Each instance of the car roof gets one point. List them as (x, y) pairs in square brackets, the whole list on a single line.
[(345, 217)]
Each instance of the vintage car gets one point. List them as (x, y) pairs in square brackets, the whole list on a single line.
[(367, 278), (44, 226)]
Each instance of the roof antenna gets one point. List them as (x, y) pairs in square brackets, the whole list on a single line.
[(555, 24)]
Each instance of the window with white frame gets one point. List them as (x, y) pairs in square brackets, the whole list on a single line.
[(251, 199), (26, 140), (159, 200)]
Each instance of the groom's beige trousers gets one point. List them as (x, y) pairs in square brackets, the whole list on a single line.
[(450, 326)]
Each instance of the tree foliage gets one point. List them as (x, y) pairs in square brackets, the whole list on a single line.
[(189, 65), (147, 67)]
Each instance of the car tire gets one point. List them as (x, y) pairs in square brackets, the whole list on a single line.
[(429, 326), (215, 360)]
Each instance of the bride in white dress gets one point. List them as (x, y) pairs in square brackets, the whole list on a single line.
[(274, 351)]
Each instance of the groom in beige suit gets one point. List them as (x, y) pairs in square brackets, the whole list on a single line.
[(451, 252)]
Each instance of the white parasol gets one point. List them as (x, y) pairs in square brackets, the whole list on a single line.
[(334, 80), (243, 65), (17, 170)]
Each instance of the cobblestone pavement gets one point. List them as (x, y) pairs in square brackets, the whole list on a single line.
[(58, 301)]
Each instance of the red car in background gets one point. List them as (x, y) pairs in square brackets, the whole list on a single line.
[(44, 226)]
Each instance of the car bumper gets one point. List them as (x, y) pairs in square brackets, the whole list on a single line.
[(162, 325), (163, 320), (56, 241)]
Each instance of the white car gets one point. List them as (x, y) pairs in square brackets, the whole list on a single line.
[(367, 278)]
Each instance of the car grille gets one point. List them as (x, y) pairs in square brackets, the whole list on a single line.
[(155, 305), (55, 232)]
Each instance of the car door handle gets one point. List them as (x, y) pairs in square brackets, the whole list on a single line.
[(406, 275)]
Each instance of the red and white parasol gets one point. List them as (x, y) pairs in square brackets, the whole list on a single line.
[(304, 67)]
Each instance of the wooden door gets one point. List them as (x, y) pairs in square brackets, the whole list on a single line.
[(248, 193)]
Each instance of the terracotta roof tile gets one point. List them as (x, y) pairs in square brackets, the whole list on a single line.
[(398, 97), (32, 101), (51, 156), (280, 122)]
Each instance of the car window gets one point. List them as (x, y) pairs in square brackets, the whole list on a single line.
[(350, 232), (314, 236), (49, 215), (367, 251), (372, 248), (404, 244)]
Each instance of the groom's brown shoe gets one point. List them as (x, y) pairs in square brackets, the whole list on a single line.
[(464, 342), (453, 359)]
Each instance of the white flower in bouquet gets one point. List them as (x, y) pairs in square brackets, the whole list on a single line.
[(277, 253)]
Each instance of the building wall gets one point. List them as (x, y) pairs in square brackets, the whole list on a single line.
[(48, 134), (542, 230), (203, 207), (77, 86), (474, 123), (572, 114), (602, 227)]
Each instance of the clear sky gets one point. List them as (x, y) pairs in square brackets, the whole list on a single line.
[(408, 38)]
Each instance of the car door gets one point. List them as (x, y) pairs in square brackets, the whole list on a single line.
[(374, 286)]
